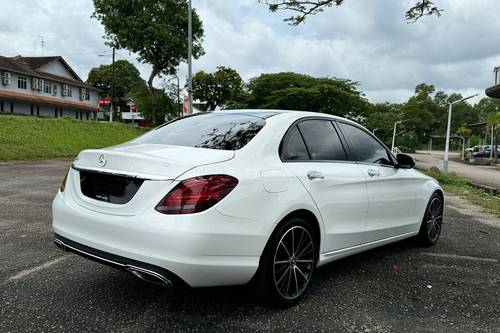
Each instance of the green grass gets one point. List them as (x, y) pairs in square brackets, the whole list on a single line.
[(23, 138), (453, 183)]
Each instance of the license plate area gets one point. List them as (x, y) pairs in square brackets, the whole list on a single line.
[(108, 187)]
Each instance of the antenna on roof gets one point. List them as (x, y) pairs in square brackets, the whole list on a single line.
[(42, 41)]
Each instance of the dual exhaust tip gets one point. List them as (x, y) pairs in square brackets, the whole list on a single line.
[(139, 272)]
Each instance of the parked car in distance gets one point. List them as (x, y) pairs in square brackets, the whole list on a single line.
[(486, 153), (232, 197)]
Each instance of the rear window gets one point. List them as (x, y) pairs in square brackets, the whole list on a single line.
[(228, 131)]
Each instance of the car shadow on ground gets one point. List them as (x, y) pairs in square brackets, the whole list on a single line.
[(233, 299)]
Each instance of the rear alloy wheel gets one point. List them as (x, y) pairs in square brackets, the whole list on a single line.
[(433, 221), (288, 264)]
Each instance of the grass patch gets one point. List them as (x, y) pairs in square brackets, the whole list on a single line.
[(457, 185), (24, 138)]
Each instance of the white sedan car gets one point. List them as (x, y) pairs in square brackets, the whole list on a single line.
[(225, 198)]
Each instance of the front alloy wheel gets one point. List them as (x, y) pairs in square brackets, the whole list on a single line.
[(430, 229)]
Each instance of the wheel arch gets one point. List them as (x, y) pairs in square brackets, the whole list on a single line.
[(306, 215)]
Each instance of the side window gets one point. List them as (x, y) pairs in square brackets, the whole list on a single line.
[(364, 147), (293, 148), (322, 140)]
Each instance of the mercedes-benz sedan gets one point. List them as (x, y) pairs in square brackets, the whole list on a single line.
[(225, 198)]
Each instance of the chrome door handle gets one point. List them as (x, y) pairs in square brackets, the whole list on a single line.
[(313, 175), (373, 173)]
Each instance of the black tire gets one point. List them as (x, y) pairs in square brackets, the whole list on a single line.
[(432, 223), (287, 264)]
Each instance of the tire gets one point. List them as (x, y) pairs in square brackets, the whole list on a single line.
[(287, 264), (432, 223)]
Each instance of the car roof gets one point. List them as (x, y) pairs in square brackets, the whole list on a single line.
[(267, 113)]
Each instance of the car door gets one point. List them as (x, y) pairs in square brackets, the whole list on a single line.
[(313, 151), (391, 191)]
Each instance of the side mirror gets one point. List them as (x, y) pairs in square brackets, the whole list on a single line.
[(405, 161)]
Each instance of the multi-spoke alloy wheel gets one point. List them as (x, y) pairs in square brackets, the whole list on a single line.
[(288, 262), (293, 262), (433, 221)]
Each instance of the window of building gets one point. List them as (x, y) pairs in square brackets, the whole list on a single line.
[(84, 94), (47, 87), (54, 89), (67, 91), (22, 82), (322, 140), (364, 147), (11, 107)]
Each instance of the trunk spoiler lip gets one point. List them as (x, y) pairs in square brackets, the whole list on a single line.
[(121, 173)]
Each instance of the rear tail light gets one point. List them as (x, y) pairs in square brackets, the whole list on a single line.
[(196, 194), (63, 183)]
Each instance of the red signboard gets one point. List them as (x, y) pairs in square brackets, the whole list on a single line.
[(104, 101)]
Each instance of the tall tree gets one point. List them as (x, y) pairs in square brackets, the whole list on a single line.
[(293, 91), (218, 88), (305, 8), (154, 29), (127, 78)]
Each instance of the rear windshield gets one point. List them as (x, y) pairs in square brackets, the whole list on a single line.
[(228, 131)]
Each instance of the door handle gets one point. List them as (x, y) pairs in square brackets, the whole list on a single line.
[(373, 173), (313, 175)]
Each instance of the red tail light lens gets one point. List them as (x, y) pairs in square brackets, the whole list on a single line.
[(63, 183), (197, 194)]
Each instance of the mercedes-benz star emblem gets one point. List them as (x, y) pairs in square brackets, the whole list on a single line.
[(102, 161)]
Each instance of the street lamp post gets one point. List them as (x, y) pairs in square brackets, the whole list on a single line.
[(394, 134), (448, 130), (190, 59)]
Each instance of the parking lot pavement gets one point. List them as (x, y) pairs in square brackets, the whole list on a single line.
[(452, 287)]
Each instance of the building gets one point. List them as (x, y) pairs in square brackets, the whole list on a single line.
[(45, 87), (494, 91)]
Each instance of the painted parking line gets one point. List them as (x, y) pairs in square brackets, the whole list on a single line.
[(456, 256), (43, 266)]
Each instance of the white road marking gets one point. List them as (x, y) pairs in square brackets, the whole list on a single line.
[(456, 256), (27, 272)]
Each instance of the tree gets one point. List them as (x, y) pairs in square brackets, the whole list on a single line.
[(292, 91), (218, 88), (158, 104), (127, 78), (154, 29), (305, 8)]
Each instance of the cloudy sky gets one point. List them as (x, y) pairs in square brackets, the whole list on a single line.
[(367, 41)]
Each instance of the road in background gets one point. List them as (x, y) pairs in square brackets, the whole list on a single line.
[(478, 174), (452, 287)]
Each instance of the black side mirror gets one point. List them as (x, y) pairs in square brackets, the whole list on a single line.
[(405, 161)]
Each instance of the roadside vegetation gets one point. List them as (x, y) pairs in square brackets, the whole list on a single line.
[(24, 138), (453, 183)]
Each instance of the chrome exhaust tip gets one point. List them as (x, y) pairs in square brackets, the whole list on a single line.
[(149, 276), (60, 244)]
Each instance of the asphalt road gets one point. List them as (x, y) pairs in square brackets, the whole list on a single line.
[(452, 287), (485, 175)]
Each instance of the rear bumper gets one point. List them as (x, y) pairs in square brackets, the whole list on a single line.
[(144, 271), (206, 249)]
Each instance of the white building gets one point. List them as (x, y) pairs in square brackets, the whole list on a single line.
[(45, 87)]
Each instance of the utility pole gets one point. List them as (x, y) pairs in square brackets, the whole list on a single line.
[(448, 130), (190, 59), (112, 105)]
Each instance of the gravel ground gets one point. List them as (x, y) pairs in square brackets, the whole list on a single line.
[(452, 287)]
